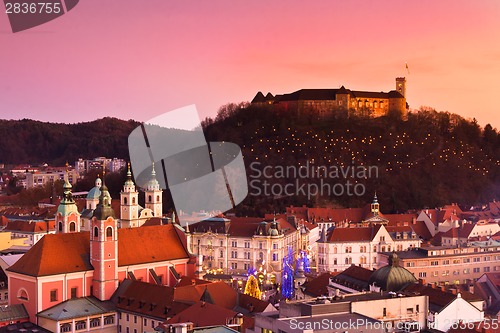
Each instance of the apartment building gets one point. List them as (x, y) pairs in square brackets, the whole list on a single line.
[(450, 264)]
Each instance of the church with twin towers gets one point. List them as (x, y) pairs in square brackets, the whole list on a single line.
[(132, 215)]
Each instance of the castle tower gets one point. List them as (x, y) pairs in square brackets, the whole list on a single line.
[(401, 85), (153, 195), (129, 203), (104, 248), (67, 216), (375, 206)]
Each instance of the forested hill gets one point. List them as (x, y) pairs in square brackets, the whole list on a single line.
[(29, 141), (431, 159)]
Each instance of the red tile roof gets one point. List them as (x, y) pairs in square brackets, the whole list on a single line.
[(353, 234), (135, 246), (421, 230), (318, 285), (147, 299), (205, 314), (220, 293), (30, 226)]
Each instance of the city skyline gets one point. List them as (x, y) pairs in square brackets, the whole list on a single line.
[(131, 62)]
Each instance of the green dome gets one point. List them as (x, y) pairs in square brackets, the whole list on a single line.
[(67, 205), (103, 209), (392, 277), (95, 192)]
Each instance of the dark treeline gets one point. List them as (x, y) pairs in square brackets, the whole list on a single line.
[(431, 159), (29, 141)]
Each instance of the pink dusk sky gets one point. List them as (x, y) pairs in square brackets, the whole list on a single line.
[(138, 59)]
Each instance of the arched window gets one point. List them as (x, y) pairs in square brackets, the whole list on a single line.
[(133, 201), (109, 232), (60, 226), (150, 198), (96, 232), (72, 226), (335, 249), (23, 294), (375, 104), (360, 104), (125, 200), (157, 198)]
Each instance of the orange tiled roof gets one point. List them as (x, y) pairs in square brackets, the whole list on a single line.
[(353, 234), (30, 226), (135, 246), (318, 285), (203, 314), (220, 293), (147, 299)]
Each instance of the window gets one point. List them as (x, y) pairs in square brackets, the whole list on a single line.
[(96, 232), (275, 257), (384, 312), (434, 263), (247, 255), (74, 292), (128, 317), (109, 232), (145, 322), (66, 327), (125, 200), (234, 265), (152, 324), (133, 201), (53, 295), (135, 319), (247, 245), (158, 198), (486, 269), (422, 274), (221, 254), (109, 320), (95, 322), (382, 238), (234, 243), (23, 295), (446, 262), (476, 270), (150, 198), (80, 325), (275, 246), (60, 226), (260, 245)]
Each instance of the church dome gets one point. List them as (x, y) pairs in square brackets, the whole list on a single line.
[(95, 192), (392, 277), (67, 205)]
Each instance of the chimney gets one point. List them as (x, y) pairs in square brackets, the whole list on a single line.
[(471, 288), (414, 220), (454, 291), (421, 281), (443, 288)]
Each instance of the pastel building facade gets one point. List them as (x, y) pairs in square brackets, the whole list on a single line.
[(73, 264)]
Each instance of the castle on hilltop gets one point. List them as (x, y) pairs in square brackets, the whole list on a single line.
[(328, 102)]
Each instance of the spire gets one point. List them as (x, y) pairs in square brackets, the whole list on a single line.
[(129, 182), (375, 206), (103, 209), (153, 184), (67, 204)]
